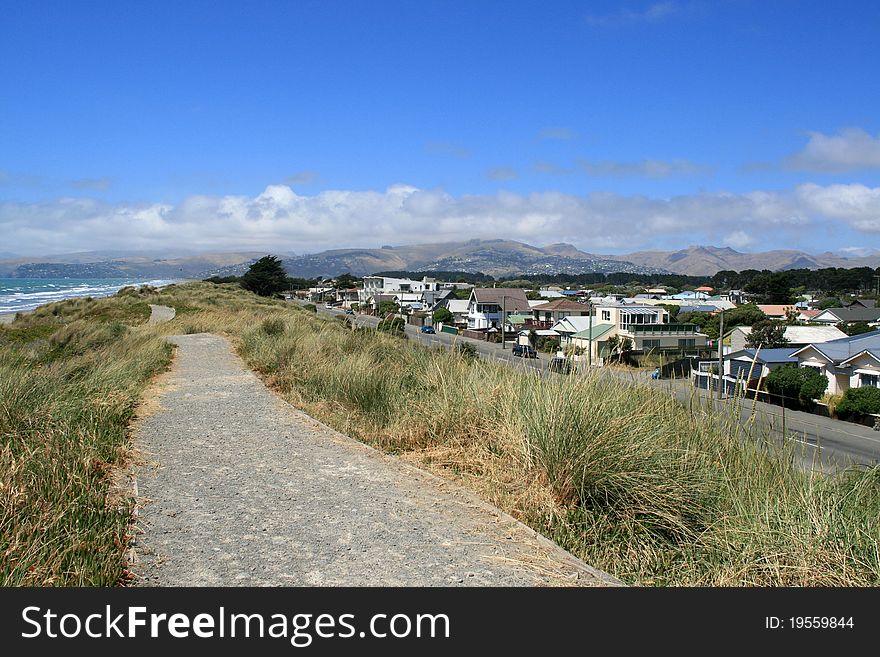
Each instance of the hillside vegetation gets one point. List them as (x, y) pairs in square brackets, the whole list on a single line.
[(621, 475)]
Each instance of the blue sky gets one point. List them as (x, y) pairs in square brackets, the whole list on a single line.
[(617, 126)]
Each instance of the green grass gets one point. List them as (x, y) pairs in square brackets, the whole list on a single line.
[(70, 377)]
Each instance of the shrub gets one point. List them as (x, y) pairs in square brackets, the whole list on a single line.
[(802, 384), (392, 325), (312, 307), (859, 401), (467, 351), (273, 326)]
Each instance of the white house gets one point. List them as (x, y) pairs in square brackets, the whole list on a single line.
[(797, 336), (488, 307), (851, 362)]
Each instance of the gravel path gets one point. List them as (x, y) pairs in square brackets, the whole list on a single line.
[(243, 489), (159, 314)]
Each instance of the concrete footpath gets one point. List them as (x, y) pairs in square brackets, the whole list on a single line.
[(243, 489)]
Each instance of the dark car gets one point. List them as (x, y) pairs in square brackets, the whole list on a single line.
[(524, 351), (560, 365), (428, 329)]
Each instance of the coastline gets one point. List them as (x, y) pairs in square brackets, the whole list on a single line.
[(8, 316)]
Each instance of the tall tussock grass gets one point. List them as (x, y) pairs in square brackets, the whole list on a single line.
[(653, 491), (620, 474), (71, 375)]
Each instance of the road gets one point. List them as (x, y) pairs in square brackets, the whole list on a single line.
[(818, 442)]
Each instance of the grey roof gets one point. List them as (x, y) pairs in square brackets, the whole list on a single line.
[(843, 348), (856, 314), (698, 309), (864, 303), (512, 299), (766, 356)]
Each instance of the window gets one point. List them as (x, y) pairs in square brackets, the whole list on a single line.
[(606, 315), (650, 344), (869, 380), (684, 343)]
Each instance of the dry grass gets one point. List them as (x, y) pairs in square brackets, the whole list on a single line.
[(621, 475)]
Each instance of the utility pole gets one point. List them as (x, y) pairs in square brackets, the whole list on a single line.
[(590, 335), (720, 352), (503, 306)]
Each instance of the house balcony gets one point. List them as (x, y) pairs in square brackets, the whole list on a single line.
[(661, 330)]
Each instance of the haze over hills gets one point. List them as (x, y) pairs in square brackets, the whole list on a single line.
[(494, 257), (707, 260)]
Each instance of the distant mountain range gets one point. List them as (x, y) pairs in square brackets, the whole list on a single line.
[(507, 257), (494, 257), (707, 260), (119, 265)]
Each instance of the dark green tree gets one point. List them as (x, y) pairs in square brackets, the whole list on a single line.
[(265, 277), (855, 328), (443, 316), (387, 308), (345, 281), (796, 384), (767, 334)]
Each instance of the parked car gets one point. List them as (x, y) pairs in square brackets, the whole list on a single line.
[(560, 365), (428, 329), (349, 311), (524, 350)]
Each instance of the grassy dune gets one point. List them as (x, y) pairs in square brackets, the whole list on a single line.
[(70, 376), (620, 475)]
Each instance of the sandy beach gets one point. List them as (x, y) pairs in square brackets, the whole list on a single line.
[(7, 318)]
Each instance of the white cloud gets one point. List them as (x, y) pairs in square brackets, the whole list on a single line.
[(644, 168), (739, 239), (651, 14), (280, 219), (852, 149)]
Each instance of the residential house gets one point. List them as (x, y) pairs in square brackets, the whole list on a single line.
[(547, 314), (797, 336), (348, 297), (690, 295), (861, 303), (377, 288), (717, 303), (848, 315), (745, 369), (850, 362), (488, 307), (776, 311), (807, 314), (643, 325), (459, 310)]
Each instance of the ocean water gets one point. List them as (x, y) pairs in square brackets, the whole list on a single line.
[(18, 294)]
